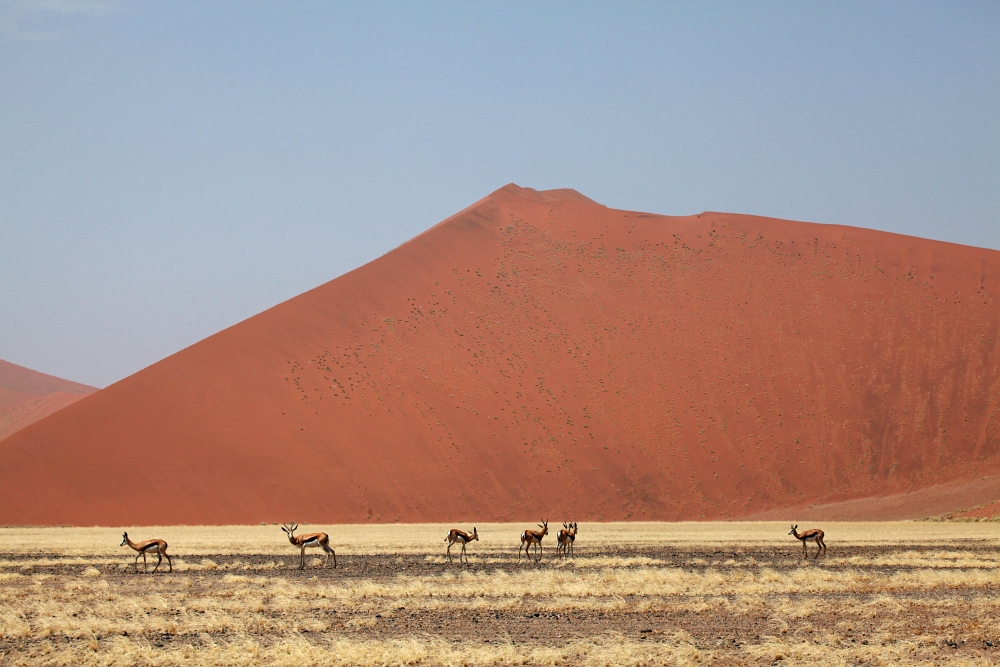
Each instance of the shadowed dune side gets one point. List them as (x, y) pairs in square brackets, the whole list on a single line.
[(940, 500), (27, 396), (979, 512), (539, 354)]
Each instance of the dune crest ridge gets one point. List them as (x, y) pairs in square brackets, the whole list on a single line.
[(539, 354)]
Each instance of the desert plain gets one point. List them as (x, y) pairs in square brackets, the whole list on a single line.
[(716, 593)]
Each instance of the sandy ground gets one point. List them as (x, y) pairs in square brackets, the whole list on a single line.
[(908, 601)]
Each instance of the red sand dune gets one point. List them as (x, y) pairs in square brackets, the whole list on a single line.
[(987, 511), (27, 396), (541, 355), (941, 500)]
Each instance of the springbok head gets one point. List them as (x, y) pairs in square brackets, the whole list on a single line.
[(794, 528), (124, 539), (544, 525), (475, 534), (290, 529)]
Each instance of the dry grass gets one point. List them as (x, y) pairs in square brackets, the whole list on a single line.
[(682, 594), (494, 538)]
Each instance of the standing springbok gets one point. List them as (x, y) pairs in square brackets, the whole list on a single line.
[(813, 534), (321, 540), (456, 535), (530, 537), (565, 539), (158, 547)]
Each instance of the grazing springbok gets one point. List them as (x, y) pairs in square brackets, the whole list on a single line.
[(530, 537), (456, 535), (565, 539), (814, 535), (158, 547), (321, 540)]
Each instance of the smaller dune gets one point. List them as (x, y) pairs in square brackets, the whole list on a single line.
[(935, 501), (27, 396)]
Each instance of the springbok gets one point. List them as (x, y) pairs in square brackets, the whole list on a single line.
[(530, 537), (456, 535), (321, 540), (565, 539), (814, 535), (158, 547)]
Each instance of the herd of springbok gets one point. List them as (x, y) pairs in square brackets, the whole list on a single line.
[(565, 539)]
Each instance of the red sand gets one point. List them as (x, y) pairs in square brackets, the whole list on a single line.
[(539, 354), (936, 501), (987, 511), (27, 396)]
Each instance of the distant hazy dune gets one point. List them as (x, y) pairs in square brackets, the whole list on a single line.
[(27, 396)]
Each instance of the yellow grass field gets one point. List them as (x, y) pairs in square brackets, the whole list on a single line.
[(634, 594)]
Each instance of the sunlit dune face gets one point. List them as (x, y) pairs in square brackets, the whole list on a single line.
[(540, 353)]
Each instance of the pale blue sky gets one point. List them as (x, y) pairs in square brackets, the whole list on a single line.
[(169, 169)]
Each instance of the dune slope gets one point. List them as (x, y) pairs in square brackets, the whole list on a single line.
[(27, 396), (539, 354)]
